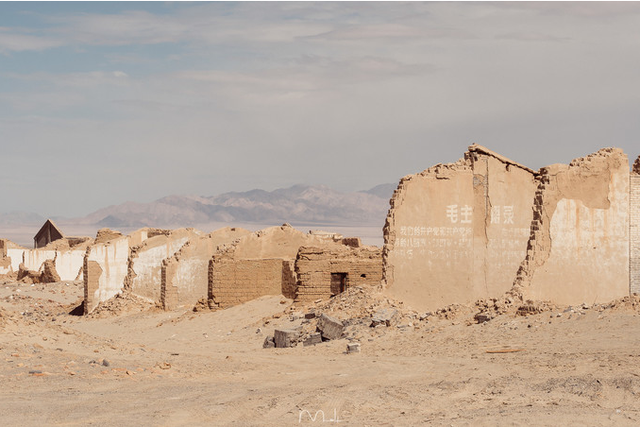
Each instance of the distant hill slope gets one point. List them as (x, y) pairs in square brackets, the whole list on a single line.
[(300, 203)]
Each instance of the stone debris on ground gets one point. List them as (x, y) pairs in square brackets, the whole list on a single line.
[(120, 304), (286, 337)]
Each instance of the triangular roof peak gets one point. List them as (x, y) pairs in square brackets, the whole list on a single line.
[(49, 222), (477, 148)]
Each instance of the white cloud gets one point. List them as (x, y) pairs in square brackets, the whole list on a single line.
[(14, 40)]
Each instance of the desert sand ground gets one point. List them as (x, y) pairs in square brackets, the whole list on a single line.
[(578, 366)]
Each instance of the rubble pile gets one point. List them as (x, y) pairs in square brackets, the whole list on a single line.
[(120, 304)]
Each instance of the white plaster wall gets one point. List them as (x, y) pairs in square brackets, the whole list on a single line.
[(148, 268), (191, 277), (16, 257), (33, 259), (68, 263), (112, 258)]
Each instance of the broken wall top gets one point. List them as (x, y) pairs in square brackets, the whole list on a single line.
[(205, 245), (636, 166), (342, 253), (280, 242), (68, 244)]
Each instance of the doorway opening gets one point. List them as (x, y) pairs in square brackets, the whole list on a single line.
[(339, 283)]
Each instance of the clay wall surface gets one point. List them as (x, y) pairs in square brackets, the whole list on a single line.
[(185, 276), (458, 232), (634, 229), (579, 248), (144, 277), (315, 267), (279, 242), (235, 281)]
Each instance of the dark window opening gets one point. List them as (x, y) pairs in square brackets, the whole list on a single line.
[(364, 276)]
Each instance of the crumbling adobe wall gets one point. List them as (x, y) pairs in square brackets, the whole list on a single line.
[(106, 264), (315, 267), (185, 275), (235, 281), (458, 232), (579, 246), (634, 228), (5, 262), (144, 276), (11, 256), (258, 271)]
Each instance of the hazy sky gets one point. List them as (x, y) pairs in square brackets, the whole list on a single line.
[(106, 102)]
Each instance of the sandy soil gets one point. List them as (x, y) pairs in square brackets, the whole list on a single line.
[(578, 366)]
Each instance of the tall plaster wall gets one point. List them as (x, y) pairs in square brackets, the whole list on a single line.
[(185, 276), (106, 265), (634, 228), (105, 268), (458, 232), (579, 246), (144, 276)]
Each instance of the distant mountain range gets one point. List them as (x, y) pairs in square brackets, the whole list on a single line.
[(300, 203)]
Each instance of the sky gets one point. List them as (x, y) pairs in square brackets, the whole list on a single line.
[(102, 103)]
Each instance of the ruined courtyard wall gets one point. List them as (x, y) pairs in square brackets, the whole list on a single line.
[(144, 276), (105, 268), (235, 281), (456, 233), (314, 267), (634, 229), (69, 264), (185, 276), (579, 246)]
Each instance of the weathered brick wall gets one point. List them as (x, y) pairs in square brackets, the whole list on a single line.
[(315, 266), (235, 281), (634, 235), (91, 272), (289, 279)]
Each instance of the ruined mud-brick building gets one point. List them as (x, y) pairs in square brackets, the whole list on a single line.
[(261, 263), (185, 275), (468, 230), (323, 273)]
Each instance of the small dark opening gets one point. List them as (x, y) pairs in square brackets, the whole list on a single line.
[(339, 283), (364, 276)]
